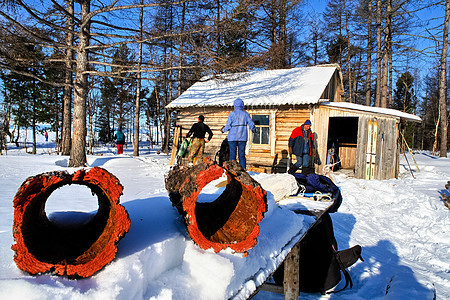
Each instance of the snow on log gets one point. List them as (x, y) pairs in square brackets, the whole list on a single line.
[(232, 220), (76, 251)]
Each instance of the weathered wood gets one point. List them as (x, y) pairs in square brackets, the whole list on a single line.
[(347, 156), (291, 282), (272, 287), (283, 119), (232, 220), (76, 251), (176, 141)]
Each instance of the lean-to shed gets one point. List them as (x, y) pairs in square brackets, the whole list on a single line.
[(280, 100)]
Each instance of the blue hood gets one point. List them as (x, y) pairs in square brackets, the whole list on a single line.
[(238, 104)]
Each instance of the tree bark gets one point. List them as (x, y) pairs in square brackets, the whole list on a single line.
[(443, 84), (138, 87), (385, 72), (67, 92), (78, 150), (77, 250), (369, 54), (232, 220), (379, 50)]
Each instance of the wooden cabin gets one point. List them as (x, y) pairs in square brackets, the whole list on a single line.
[(279, 101)]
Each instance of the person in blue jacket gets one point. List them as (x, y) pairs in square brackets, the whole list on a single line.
[(237, 123)]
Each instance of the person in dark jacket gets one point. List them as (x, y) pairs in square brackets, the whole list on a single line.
[(198, 132), (237, 123), (120, 140), (301, 143)]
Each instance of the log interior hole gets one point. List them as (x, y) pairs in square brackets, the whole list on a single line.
[(55, 242), (215, 219)]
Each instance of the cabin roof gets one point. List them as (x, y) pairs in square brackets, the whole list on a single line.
[(373, 109), (295, 86)]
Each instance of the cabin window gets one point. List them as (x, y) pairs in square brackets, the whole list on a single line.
[(261, 135)]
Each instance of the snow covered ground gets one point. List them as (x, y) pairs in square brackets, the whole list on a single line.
[(402, 225)]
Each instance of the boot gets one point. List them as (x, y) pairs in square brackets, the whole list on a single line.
[(293, 169), (349, 256)]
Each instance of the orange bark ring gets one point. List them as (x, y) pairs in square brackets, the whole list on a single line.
[(79, 251), (232, 220)]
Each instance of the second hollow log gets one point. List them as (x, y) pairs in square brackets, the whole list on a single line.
[(76, 251), (232, 220)]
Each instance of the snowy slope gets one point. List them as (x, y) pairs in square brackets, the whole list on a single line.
[(401, 224)]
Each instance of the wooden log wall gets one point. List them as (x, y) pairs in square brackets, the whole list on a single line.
[(285, 119), (260, 156)]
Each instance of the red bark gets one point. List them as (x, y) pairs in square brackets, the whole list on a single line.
[(232, 220), (78, 251)]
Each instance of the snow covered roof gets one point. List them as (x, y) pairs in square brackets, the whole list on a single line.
[(259, 88), (378, 110)]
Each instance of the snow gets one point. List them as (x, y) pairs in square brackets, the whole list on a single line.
[(259, 88), (374, 109), (402, 225)]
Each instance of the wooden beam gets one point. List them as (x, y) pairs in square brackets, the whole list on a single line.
[(291, 284)]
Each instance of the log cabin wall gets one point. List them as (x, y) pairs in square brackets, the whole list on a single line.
[(284, 119), (264, 156)]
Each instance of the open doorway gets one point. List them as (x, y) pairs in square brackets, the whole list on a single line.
[(342, 142)]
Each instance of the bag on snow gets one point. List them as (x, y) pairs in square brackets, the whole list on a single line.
[(312, 183), (320, 262), (224, 152)]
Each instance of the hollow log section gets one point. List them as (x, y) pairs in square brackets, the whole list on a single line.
[(76, 251), (232, 220)]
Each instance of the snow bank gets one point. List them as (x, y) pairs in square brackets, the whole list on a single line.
[(401, 224)]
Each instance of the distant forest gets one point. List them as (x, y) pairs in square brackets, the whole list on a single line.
[(87, 67)]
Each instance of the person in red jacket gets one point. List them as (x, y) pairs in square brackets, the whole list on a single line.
[(301, 143)]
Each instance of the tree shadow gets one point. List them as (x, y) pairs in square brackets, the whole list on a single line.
[(101, 161)]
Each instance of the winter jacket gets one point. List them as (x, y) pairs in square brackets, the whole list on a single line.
[(199, 130), (297, 141), (120, 137), (237, 123)]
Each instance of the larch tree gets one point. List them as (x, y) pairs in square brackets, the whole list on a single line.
[(443, 114)]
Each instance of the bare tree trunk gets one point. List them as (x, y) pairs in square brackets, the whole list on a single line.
[(369, 54), (181, 50), (436, 131), (91, 102), (387, 34), (443, 85), (349, 64), (67, 92), (33, 132), (390, 71), (78, 151), (138, 88), (379, 29)]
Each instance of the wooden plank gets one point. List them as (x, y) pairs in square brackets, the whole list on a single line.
[(347, 156), (360, 164), (176, 140), (272, 288)]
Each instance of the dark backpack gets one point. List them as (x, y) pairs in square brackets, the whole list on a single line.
[(320, 262), (224, 153), (120, 137)]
